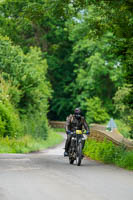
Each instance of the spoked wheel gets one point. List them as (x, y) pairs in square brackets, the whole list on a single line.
[(71, 159), (79, 154)]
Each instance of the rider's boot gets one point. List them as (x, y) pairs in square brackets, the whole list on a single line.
[(65, 153)]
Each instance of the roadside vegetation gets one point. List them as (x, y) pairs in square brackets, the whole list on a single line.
[(27, 143), (60, 130), (108, 153), (123, 128), (24, 93)]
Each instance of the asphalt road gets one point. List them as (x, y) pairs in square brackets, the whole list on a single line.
[(47, 175)]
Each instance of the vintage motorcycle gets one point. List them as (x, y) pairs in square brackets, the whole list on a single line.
[(76, 146)]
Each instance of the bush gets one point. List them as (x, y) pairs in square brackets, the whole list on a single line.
[(123, 108), (9, 121), (25, 87), (10, 124), (107, 152), (123, 128), (35, 125), (103, 151), (130, 118), (126, 160)]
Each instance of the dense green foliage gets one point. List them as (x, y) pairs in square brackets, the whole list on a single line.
[(94, 111), (9, 122), (123, 128), (88, 48), (124, 109), (107, 152), (24, 91)]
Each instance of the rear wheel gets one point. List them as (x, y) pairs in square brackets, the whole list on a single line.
[(79, 154)]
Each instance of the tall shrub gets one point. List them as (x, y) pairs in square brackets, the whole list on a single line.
[(10, 124), (29, 89)]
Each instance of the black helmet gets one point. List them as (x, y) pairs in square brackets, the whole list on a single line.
[(77, 113)]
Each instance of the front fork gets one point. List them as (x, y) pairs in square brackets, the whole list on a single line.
[(75, 142), (82, 141), (73, 147)]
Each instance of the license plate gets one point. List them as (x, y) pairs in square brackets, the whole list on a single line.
[(78, 132)]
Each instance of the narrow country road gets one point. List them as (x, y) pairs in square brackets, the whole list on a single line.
[(47, 175)]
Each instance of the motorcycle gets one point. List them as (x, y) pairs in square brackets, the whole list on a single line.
[(75, 150)]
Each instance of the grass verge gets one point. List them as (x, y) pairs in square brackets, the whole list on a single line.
[(59, 130), (108, 153), (28, 144)]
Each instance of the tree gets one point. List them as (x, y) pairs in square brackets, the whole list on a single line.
[(98, 69), (87, 44)]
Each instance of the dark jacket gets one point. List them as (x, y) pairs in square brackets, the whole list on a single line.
[(76, 124)]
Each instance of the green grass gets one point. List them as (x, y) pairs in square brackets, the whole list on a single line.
[(28, 144), (108, 153), (59, 130)]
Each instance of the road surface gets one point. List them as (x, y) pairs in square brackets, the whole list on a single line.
[(47, 175)]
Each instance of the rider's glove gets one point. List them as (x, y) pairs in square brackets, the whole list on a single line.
[(68, 132), (87, 133)]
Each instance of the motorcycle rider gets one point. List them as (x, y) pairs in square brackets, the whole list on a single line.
[(74, 122)]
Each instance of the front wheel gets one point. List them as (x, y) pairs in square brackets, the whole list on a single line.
[(71, 155), (79, 154)]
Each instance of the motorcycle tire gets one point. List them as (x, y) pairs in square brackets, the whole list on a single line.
[(79, 154), (71, 160)]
